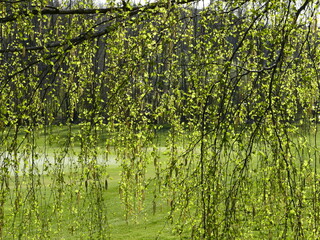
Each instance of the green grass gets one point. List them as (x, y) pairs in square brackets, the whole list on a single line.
[(57, 204), (73, 224)]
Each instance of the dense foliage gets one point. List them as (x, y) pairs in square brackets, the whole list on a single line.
[(233, 85)]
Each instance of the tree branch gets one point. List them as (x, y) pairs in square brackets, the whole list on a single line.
[(74, 41), (89, 34), (57, 11), (6, 1), (305, 4)]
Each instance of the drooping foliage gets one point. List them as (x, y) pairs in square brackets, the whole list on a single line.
[(233, 86)]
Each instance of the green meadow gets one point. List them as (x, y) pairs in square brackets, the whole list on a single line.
[(71, 195), (55, 199)]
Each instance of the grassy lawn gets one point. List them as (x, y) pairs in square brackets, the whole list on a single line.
[(56, 202), (66, 216), (62, 202)]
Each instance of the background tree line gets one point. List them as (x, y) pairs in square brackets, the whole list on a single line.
[(156, 55)]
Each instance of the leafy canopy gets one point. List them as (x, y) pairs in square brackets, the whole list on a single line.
[(210, 111)]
